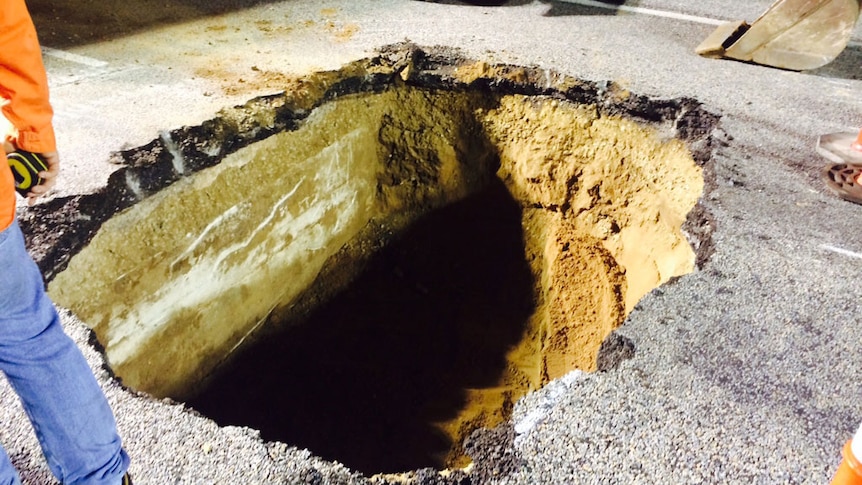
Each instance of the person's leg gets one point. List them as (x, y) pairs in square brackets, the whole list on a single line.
[(8, 474), (66, 406)]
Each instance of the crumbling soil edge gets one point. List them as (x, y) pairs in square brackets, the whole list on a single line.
[(60, 228)]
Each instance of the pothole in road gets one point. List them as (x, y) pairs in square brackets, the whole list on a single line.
[(385, 258)]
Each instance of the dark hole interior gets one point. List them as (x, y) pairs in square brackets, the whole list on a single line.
[(365, 377)]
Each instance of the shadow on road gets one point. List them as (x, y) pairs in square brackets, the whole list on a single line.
[(845, 66), (558, 8)]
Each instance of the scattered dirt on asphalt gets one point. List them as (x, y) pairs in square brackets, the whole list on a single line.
[(200, 44)]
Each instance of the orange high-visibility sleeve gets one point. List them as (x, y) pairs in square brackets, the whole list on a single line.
[(24, 87), (23, 81)]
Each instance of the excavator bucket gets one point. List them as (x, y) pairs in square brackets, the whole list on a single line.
[(792, 34)]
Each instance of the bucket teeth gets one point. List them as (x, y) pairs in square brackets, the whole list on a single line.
[(721, 38)]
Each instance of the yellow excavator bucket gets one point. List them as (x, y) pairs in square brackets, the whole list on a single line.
[(792, 34)]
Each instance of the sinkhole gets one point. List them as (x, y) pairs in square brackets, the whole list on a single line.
[(384, 258)]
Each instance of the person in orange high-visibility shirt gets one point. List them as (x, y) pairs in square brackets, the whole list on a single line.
[(24, 93), (70, 414)]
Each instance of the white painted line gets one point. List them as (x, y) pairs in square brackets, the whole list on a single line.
[(68, 56), (844, 252), (648, 11)]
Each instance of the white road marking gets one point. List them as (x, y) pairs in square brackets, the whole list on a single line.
[(648, 11), (76, 58), (838, 250)]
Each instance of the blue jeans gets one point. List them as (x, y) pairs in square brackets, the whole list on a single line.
[(68, 410)]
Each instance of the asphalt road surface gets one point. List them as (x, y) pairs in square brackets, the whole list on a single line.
[(746, 371)]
